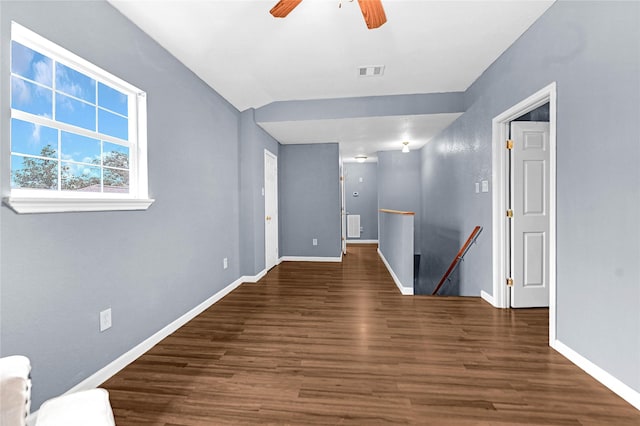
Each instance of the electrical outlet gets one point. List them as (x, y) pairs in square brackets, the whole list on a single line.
[(315, 241), (105, 319), (225, 263)]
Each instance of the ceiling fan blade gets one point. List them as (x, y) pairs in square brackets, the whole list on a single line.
[(283, 8), (373, 13)]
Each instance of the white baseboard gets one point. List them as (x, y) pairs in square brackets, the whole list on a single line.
[(362, 241), (310, 259), (407, 291), (622, 390), (127, 358), (487, 298), (254, 278)]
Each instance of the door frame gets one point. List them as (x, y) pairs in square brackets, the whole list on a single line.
[(500, 133), (268, 153), (343, 209)]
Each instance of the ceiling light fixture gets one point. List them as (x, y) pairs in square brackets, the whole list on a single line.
[(405, 146), (360, 158)]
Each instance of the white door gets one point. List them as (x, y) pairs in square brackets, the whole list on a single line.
[(270, 209), (529, 202)]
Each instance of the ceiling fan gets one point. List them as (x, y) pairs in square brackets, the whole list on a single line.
[(372, 11)]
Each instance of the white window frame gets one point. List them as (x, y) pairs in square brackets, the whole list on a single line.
[(47, 201)]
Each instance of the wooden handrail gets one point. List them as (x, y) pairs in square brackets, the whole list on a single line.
[(396, 212), (472, 238)]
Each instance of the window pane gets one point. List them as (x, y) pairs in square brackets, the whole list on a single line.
[(34, 139), (116, 180), (30, 97), (31, 64), (115, 155), (112, 99), (33, 173), (74, 112), (79, 148), (79, 177), (113, 125), (75, 83)]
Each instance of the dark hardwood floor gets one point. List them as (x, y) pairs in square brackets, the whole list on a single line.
[(336, 344)]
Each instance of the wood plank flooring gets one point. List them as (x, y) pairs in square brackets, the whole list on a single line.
[(336, 344)]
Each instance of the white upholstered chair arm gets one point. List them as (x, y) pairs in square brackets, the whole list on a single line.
[(15, 390)]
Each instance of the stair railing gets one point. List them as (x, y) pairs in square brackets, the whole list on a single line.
[(460, 256)]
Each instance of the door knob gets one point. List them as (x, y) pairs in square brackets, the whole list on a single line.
[(268, 217)]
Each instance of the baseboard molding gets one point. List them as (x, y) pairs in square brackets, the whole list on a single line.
[(310, 259), (102, 375), (254, 278), (487, 298), (615, 385), (362, 241), (407, 291)]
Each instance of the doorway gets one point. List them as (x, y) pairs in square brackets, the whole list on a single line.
[(270, 209), (502, 226)]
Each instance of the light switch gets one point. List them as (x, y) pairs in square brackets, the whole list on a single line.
[(360, 180), (477, 187), (485, 186)]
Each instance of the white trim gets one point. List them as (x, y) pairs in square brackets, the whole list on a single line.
[(268, 153), (362, 241), (134, 353), (310, 259), (500, 128), (622, 390), (406, 291), (254, 278), (59, 205), (487, 298)]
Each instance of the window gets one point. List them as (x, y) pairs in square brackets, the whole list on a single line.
[(78, 133)]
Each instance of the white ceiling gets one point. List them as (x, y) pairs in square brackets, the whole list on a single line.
[(253, 59)]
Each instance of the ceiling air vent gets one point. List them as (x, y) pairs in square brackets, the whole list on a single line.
[(371, 71)]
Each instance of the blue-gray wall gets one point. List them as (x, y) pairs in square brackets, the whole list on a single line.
[(399, 184), (60, 270), (366, 203), (309, 200), (396, 245), (399, 180), (592, 51), (253, 142)]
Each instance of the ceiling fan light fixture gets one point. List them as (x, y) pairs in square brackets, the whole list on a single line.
[(405, 146), (360, 158)]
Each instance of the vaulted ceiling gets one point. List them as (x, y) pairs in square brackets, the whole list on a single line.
[(253, 59)]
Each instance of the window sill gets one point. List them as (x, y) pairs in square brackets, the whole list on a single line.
[(60, 205)]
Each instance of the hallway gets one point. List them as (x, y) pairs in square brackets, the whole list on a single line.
[(335, 343)]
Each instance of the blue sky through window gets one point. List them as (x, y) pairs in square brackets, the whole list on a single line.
[(30, 97), (30, 64), (74, 83), (29, 138), (112, 124), (77, 113), (79, 148), (112, 99), (47, 97)]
